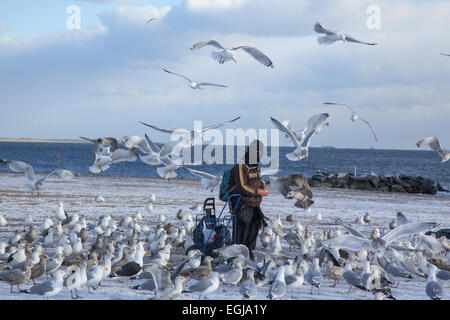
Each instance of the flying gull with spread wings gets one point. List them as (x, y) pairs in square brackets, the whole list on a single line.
[(37, 184), (433, 144), (331, 36), (227, 54), (195, 85), (354, 116), (301, 141), (189, 136)]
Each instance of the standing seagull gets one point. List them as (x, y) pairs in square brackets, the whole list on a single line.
[(226, 54), (433, 143), (195, 85), (333, 36), (354, 116), (433, 288)]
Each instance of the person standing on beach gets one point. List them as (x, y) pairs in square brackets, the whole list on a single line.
[(247, 181)]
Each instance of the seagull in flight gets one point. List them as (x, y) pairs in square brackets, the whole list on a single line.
[(333, 36), (102, 142), (444, 54), (188, 136), (226, 54), (433, 144), (151, 19), (195, 85), (301, 140), (354, 116), (37, 184)]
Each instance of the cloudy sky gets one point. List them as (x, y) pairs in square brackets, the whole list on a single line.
[(102, 79)]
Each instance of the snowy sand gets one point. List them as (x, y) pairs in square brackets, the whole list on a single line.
[(126, 195)]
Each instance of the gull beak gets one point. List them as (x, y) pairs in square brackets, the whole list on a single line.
[(106, 269), (169, 263), (372, 236), (146, 252)]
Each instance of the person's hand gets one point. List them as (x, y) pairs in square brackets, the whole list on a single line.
[(263, 192)]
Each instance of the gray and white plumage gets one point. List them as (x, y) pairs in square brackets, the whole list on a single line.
[(443, 275), (314, 276), (168, 170), (352, 278), (233, 251), (20, 166), (355, 117), (433, 144), (166, 287), (278, 287), (234, 275), (102, 142), (226, 54), (331, 36), (206, 286), (37, 184), (208, 181), (301, 141), (50, 287), (248, 287), (195, 85), (433, 288), (121, 155)]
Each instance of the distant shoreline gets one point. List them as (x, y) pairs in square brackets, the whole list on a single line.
[(43, 140), (162, 143)]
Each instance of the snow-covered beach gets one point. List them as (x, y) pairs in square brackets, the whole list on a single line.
[(127, 195)]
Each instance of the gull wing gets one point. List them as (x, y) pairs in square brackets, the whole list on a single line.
[(166, 130), (370, 127), (211, 84), (201, 174), (350, 229), (65, 175), (186, 78), (153, 146), (20, 166), (285, 130), (406, 229), (320, 29), (121, 155), (215, 126), (431, 142), (367, 122), (160, 274), (256, 54), (347, 241), (110, 141), (201, 44), (340, 104), (351, 39)]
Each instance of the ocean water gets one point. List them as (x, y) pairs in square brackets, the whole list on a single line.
[(78, 157)]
